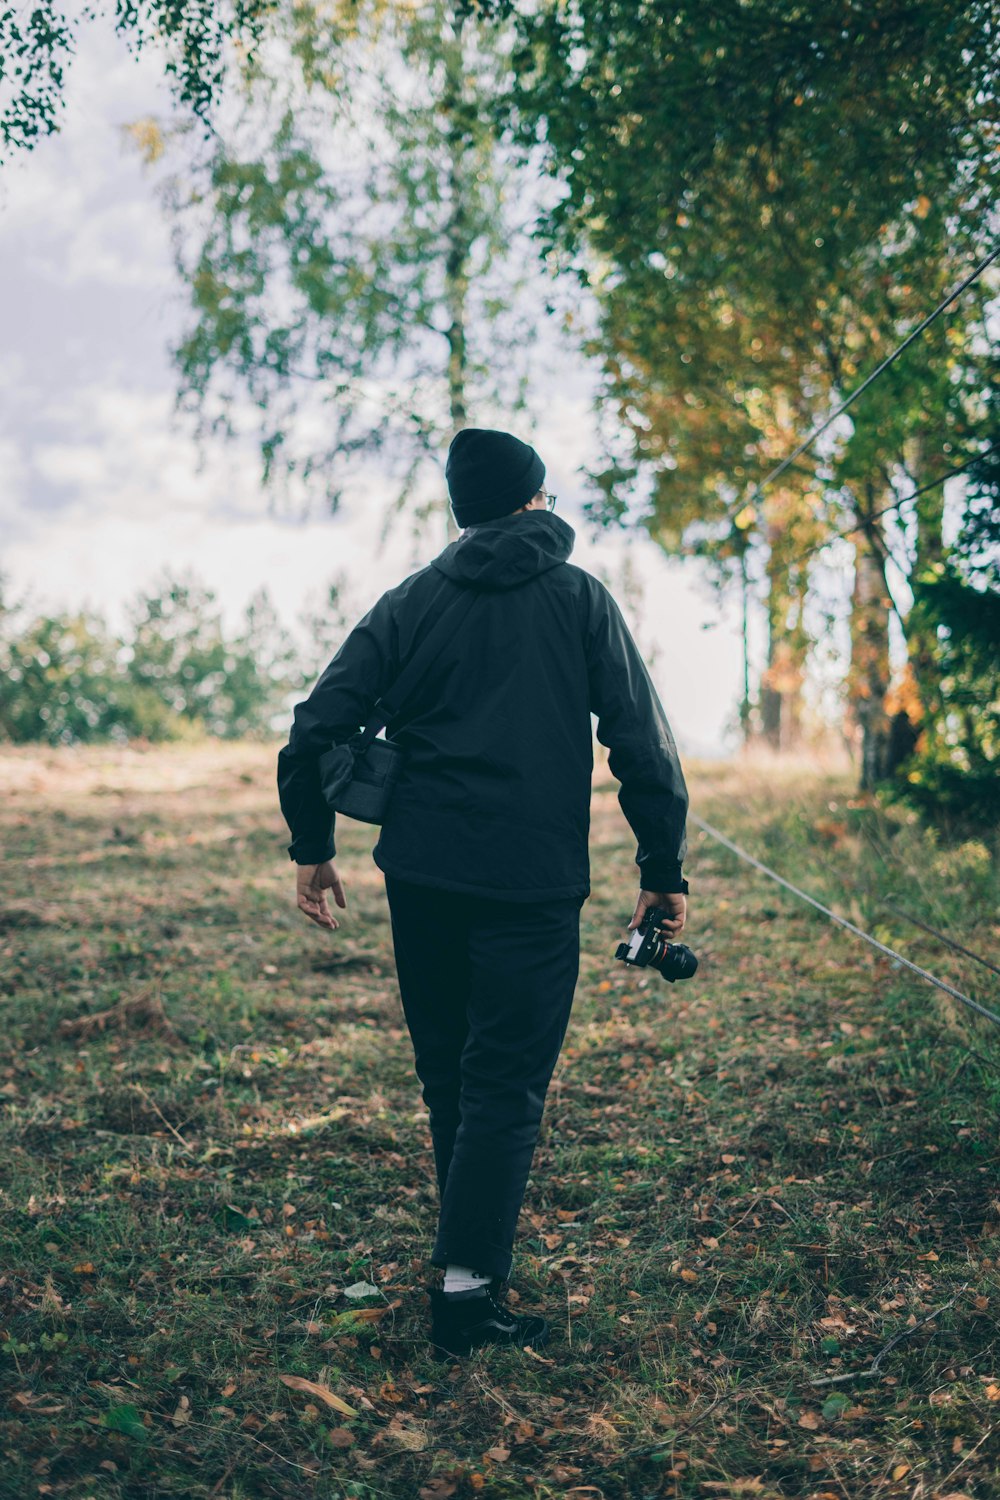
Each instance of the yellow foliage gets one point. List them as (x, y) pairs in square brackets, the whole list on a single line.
[(903, 695), (148, 137), (969, 858)]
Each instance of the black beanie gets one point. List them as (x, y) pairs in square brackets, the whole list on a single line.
[(490, 474)]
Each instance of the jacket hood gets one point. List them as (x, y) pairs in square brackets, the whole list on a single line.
[(507, 551)]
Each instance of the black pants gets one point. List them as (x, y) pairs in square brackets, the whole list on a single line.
[(487, 987)]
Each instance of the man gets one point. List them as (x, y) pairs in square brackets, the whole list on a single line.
[(484, 845)]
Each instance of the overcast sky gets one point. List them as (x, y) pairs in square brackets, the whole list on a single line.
[(99, 482)]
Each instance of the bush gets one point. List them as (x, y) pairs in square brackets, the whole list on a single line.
[(67, 679)]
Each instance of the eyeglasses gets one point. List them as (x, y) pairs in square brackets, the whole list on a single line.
[(550, 500)]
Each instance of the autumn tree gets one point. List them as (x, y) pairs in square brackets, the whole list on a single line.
[(765, 200)]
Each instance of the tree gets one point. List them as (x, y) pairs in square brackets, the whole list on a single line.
[(68, 679), (38, 40), (955, 767), (57, 677), (353, 246), (764, 202), (178, 651)]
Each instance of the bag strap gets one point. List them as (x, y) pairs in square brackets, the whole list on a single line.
[(443, 629)]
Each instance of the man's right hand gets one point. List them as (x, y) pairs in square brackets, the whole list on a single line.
[(672, 901)]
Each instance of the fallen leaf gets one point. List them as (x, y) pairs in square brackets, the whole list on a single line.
[(437, 1489), (361, 1289), (900, 1470), (413, 1437), (809, 1420), (498, 1455), (297, 1383), (340, 1437), (534, 1354), (369, 1314)]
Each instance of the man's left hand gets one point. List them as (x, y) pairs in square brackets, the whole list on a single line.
[(311, 885)]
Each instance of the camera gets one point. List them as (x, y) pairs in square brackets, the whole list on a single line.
[(648, 948)]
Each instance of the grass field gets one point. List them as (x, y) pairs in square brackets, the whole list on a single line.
[(771, 1177)]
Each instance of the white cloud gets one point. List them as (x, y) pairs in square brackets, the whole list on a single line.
[(13, 485), (122, 244)]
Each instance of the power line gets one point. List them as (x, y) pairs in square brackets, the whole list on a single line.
[(843, 922), (917, 921), (861, 521), (941, 937), (931, 484), (890, 359)]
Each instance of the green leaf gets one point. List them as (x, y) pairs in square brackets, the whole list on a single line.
[(235, 1218), (127, 1420)]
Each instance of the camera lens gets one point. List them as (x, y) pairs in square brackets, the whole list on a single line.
[(674, 961)]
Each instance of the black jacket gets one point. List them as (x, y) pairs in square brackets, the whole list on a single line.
[(494, 797)]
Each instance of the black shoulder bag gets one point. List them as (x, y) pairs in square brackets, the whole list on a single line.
[(358, 776)]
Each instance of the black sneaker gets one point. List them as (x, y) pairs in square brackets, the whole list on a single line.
[(462, 1323)]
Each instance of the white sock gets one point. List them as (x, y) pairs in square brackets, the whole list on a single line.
[(464, 1279)]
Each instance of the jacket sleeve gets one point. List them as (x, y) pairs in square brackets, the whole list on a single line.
[(338, 706), (641, 749)]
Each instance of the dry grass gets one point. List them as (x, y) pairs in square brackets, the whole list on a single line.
[(746, 1185)]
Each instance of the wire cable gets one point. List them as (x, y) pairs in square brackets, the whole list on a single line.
[(890, 359), (941, 937), (752, 810), (843, 922), (861, 521)]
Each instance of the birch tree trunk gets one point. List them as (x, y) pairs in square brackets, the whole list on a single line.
[(458, 244), (868, 675)]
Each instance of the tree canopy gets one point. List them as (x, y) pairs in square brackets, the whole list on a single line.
[(765, 199)]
